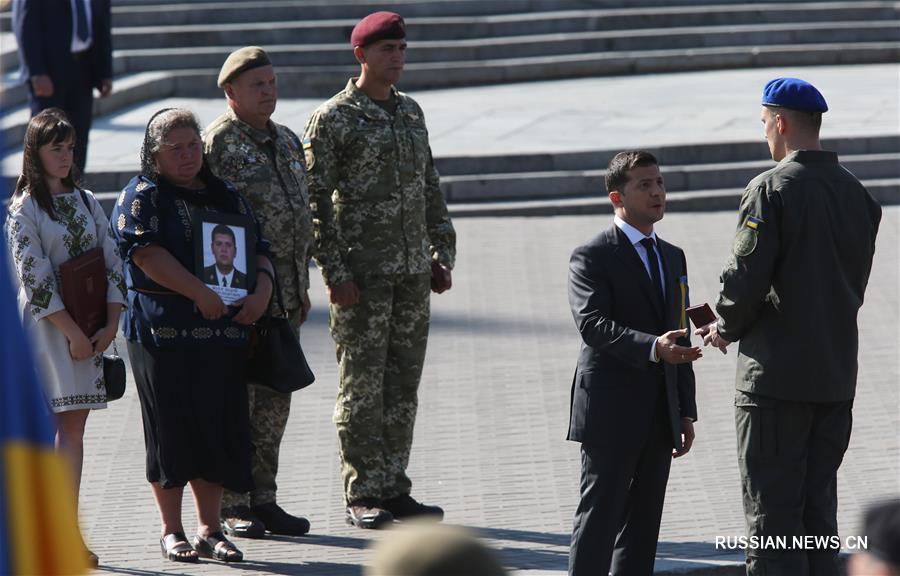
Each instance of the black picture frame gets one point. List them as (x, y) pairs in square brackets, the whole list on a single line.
[(242, 229)]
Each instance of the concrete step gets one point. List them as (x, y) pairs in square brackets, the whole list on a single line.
[(574, 175), (886, 192), (323, 81), (462, 28), (524, 46), (679, 178), (433, 28), (144, 13), (681, 154), (128, 90), (487, 12), (219, 13)]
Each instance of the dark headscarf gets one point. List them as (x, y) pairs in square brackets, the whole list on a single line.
[(216, 194)]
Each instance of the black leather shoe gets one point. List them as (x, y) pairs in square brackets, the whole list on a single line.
[(278, 521), (239, 521), (367, 513), (404, 507)]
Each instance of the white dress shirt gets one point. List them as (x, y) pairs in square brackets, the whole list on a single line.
[(635, 236), (228, 277)]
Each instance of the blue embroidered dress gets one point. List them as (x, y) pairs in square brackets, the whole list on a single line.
[(147, 214), (188, 371)]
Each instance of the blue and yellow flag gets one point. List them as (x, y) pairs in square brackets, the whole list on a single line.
[(38, 526)]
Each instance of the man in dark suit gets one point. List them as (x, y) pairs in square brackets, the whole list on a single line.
[(65, 51), (632, 403), (224, 249)]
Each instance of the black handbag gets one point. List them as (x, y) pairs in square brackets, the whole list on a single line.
[(276, 359), (114, 375)]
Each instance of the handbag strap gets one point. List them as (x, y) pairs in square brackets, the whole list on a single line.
[(276, 290)]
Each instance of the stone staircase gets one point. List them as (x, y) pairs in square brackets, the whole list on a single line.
[(698, 177), (172, 49)]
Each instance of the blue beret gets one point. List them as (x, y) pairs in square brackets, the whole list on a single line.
[(795, 94)]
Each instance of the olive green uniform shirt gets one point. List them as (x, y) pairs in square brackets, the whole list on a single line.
[(796, 278), (374, 191), (268, 168)]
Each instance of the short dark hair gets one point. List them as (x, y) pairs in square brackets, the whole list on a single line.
[(622, 163), (224, 230), (811, 121), (882, 526)]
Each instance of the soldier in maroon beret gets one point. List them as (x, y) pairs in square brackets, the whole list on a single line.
[(384, 241), (378, 26)]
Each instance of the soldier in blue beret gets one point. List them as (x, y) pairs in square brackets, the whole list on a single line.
[(791, 291)]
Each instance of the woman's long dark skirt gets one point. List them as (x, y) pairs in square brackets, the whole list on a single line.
[(194, 407)]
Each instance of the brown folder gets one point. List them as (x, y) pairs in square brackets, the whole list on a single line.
[(83, 280)]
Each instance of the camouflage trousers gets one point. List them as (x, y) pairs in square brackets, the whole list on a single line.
[(269, 411), (380, 345)]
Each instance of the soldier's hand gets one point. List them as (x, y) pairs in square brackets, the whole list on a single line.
[(344, 294), (441, 278), (669, 351), (711, 335), (304, 308)]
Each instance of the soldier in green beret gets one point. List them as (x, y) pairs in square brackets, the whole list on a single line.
[(791, 291), (384, 240), (265, 162)]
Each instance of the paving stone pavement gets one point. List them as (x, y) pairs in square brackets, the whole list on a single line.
[(489, 443)]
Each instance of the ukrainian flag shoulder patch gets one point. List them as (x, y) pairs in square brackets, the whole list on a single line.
[(752, 222)]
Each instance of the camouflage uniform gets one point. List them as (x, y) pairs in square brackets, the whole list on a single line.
[(380, 220), (268, 168)]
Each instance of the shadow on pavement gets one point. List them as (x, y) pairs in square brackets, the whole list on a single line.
[(300, 568), (524, 536), (324, 540)]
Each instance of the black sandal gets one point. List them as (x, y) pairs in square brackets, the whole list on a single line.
[(217, 546), (176, 551)]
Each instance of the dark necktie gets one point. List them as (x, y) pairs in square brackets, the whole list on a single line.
[(224, 281), (81, 23), (653, 261)]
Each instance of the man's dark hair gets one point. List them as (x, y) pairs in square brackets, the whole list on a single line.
[(811, 121), (882, 526), (624, 162), (224, 231)]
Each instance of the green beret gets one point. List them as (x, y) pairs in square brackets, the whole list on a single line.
[(241, 60)]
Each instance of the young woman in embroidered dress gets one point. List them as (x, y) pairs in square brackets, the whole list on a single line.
[(51, 220)]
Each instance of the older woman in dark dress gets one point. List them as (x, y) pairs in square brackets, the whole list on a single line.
[(187, 351)]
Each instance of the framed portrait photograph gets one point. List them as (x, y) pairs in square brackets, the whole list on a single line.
[(223, 246)]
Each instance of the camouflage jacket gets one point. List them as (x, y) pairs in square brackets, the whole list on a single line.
[(270, 173), (374, 191)]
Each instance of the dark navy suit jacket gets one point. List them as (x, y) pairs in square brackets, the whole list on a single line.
[(43, 30), (615, 384)]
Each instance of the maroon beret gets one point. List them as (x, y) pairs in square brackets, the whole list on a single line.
[(378, 26)]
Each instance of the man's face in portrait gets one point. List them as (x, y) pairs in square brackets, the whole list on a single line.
[(223, 250)]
